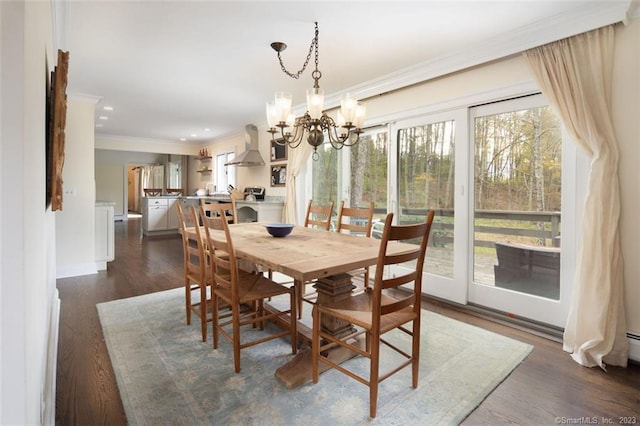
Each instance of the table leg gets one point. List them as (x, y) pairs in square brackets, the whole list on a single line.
[(298, 371)]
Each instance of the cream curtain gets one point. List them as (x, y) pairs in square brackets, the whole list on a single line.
[(575, 76), (297, 159)]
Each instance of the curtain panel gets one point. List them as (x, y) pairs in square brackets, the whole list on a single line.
[(297, 159), (575, 76)]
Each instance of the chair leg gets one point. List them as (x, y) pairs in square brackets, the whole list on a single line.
[(187, 299), (374, 374), (366, 277), (415, 353), (214, 319), (203, 312), (293, 323), (299, 290), (315, 344), (236, 337)]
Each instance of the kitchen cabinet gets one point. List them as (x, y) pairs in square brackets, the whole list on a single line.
[(104, 234), (157, 217), (173, 222)]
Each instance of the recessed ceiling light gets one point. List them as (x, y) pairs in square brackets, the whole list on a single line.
[(103, 117), (193, 135), (99, 125), (107, 108), (206, 129), (183, 139)]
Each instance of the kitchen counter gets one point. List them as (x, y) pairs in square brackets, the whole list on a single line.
[(268, 211)]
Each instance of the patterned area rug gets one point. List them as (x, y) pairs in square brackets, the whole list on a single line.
[(166, 375)]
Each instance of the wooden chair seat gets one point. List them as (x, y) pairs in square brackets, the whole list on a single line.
[(358, 310)]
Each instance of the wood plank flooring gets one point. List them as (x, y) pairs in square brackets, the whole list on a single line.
[(548, 385)]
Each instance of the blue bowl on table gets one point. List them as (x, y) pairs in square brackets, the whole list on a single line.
[(279, 229)]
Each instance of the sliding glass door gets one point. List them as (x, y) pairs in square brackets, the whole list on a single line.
[(426, 177), (520, 245), (505, 233)]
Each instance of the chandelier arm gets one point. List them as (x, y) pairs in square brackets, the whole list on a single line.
[(293, 140)]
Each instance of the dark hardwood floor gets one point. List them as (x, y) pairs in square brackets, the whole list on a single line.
[(547, 388)]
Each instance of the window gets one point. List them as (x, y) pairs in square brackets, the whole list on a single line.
[(225, 175), (356, 174)]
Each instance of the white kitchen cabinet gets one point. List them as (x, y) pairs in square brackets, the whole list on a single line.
[(172, 214), (104, 234), (157, 218)]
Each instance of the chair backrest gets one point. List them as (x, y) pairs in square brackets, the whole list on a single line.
[(355, 220), (223, 259), (195, 260), (416, 235), (175, 191), (152, 192), (319, 216), (208, 209)]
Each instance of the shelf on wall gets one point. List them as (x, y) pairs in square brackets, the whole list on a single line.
[(204, 171)]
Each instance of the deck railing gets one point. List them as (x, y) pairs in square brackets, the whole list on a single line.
[(489, 224)]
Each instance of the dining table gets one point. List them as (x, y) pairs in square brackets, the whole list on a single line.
[(308, 254)]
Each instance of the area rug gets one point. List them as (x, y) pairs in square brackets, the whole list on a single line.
[(166, 375)]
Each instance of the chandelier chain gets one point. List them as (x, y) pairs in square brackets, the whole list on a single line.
[(312, 47)]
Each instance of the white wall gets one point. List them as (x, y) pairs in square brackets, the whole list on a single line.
[(27, 240), (626, 108), (110, 169), (75, 224)]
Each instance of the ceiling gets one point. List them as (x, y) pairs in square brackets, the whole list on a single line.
[(201, 70)]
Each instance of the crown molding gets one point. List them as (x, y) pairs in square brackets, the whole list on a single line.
[(590, 17)]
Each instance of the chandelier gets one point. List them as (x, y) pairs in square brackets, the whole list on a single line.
[(345, 131)]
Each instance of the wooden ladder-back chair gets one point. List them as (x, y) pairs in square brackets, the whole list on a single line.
[(244, 292), (215, 208), (197, 273), (357, 221), (318, 216), (374, 312)]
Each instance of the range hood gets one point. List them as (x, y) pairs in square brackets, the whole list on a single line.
[(251, 156)]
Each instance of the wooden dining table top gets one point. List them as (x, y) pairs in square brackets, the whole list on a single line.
[(307, 253)]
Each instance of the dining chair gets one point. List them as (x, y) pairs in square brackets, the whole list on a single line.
[(376, 312), (152, 192), (244, 292), (318, 216), (356, 221), (197, 273), (213, 208)]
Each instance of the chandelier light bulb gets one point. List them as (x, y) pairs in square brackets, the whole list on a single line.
[(272, 115), (361, 111), (348, 108), (283, 105), (315, 102)]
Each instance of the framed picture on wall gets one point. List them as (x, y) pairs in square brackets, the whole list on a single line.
[(279, 175), (56, 118), (278, 152)]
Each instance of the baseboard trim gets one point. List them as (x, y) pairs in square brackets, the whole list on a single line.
[(634, 347), (539, 329), (77, 270)]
